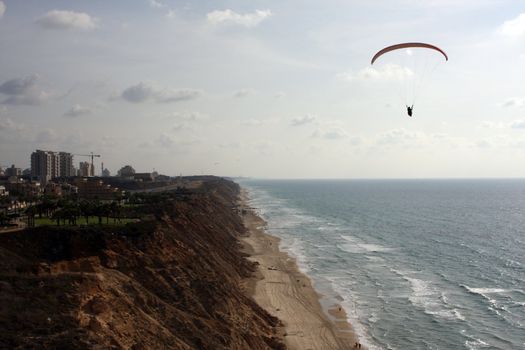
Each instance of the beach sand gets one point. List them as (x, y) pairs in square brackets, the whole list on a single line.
[(285, 292)]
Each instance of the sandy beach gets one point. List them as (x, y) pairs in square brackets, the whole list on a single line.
[(285, 292)]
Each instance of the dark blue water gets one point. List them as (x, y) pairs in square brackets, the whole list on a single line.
[(418, 264)]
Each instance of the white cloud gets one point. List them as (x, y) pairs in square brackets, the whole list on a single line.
[(385, 72), (156, 4), (333, 133), (58, 19), (514, 102), (298, 121), (188, 116), (171, 14), (483, 144), (400, 137), (2, 8), (518, 124), (23, 91), (146, 91), (514, 27), (492, 125), (231, 17), (77, 110)]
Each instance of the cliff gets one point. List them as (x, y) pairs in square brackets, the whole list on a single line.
[(170, 283)]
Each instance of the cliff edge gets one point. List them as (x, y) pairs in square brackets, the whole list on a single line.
[(172, 282)]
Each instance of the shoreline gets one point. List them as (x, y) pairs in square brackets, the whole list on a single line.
[(280, 288)]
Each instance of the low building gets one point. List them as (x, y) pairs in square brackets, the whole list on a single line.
[(145, 177), (24, 188), (97, 189), (162, 178), (53, 189), (3, 191), (13, 171)]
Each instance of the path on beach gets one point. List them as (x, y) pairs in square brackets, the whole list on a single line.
[(285, 292)]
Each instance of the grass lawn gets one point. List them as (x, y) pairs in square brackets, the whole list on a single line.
[(92, 220)]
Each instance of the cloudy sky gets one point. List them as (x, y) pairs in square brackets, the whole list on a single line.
[(280, 89)]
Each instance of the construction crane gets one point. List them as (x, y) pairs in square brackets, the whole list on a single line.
[(89, 155)]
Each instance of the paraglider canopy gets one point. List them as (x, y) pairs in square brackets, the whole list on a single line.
[(405, 46), (412, 68)]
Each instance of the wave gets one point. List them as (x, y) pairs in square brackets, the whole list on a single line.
[(357, 246), (475, 344), (430, 298), (484, 291)]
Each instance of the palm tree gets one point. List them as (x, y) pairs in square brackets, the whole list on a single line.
[(86, 208)]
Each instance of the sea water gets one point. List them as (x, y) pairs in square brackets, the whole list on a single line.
[(417, 264)]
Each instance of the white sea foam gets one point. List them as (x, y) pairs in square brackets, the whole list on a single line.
[(357, 246), (476, 344), (295, 249), (430, 298), (484, 291)]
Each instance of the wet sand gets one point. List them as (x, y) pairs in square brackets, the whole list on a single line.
[(285, 292)]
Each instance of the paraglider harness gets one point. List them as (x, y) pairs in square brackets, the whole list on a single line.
[(409, 110)]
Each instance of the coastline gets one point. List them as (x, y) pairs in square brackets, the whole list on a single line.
[(287, 293)]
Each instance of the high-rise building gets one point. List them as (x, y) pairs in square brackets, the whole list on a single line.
[(66, 164), (45, 165), (86, 169)]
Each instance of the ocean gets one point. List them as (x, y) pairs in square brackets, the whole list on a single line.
[(417, 264)]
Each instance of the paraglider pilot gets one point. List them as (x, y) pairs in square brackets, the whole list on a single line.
[(409, 110)]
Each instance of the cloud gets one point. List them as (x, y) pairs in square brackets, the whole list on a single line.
[(518, 124), (483, 144), (2, 9), (170, 13), (46, 136), (514, 102), (172, 95), (18, 86), (156, 4), (9, 125), (513, 28), (334, 133), (492, 125), (188, 116), (231, 17), (78, 110), (252, 122), (385, 72), (23, 91), (169, 142), (145, 91), (400, 137), (242, 93), (58, 19), (298, 121)]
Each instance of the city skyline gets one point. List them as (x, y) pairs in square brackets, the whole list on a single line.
[(265, 88)]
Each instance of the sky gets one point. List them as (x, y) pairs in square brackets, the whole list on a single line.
[(268, 89)]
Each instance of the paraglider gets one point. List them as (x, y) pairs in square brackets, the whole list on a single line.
[(413, 74)]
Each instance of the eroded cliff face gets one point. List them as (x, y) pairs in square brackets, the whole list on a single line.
[(173, 283)]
